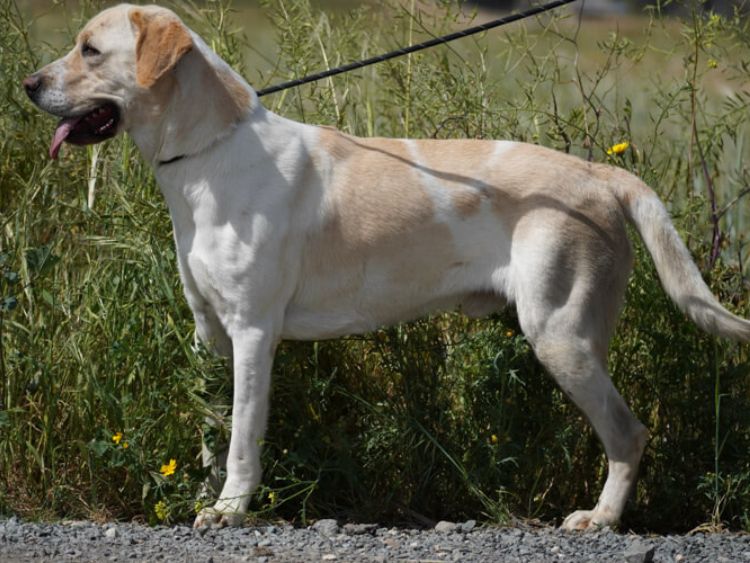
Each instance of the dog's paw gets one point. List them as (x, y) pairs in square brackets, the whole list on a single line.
[(223, 514), (583, 520)]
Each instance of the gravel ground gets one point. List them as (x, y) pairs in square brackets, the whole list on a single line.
[(326, 540)]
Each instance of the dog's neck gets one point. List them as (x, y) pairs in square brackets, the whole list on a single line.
[(194, 107)]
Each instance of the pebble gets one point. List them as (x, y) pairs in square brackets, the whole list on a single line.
[(359, 529), (445, 527), (639, 552), (327, 527)]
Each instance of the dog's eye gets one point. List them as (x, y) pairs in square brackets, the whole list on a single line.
[(89, 51)]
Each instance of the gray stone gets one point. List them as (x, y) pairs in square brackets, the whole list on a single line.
[(639, 552), (111, 533), (359, 529), (327, 527), (468, 526), (445, 527)]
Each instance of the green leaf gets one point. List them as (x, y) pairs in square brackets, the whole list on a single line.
[(11, 277), (98, 447), (48, 298), (8, 304), (41, 260)]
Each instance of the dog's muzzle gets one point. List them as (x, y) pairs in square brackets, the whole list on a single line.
[(93, 126)]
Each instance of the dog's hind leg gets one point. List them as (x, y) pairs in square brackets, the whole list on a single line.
[(583, 377), (567, 304)]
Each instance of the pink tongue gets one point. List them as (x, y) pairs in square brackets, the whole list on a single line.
[(63, 130)]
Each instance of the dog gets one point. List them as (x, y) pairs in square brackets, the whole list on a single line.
[(286, 230)]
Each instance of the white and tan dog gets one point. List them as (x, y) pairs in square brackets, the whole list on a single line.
[(287, 230)]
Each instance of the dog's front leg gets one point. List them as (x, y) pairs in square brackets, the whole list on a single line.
[(252, 355)]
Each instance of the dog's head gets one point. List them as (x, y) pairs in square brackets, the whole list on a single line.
[(121, 74)]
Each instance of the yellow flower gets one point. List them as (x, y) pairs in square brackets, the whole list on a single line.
[(169, 469), (619, 148), (161, 510), (272, 497), (713, 63), (494, 439), (509, 333), (116, 437), (125, 445)]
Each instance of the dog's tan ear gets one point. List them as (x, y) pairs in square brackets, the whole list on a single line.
[(162, 40)]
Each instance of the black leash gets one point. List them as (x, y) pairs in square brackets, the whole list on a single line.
[(406, 50)]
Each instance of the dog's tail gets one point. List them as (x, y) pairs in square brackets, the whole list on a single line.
[(679, 275)]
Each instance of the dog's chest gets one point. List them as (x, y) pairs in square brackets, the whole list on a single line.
[(208, 277), (210, 266)]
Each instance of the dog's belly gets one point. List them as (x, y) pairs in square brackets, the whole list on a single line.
[(350, 291), (301, 323)]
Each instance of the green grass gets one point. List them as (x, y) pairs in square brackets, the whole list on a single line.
[(442, 418)]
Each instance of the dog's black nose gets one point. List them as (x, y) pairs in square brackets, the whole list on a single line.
[(31, 84)]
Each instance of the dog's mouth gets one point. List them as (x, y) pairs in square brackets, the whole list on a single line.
[(95, 126)]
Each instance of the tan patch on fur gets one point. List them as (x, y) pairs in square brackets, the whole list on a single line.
[(563, 189), (377, 196), (625, 185), (466, 203), (422, 257), (533, 180), (464, 166), (469, 158), (378, 217), (83, 36), (239, 97), (162, 41), (333, 144), (75, 66)]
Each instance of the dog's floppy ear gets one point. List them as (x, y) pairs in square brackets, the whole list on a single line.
[(162, 40)]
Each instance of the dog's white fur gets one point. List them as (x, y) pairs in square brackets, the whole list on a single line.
[(286, 230)]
